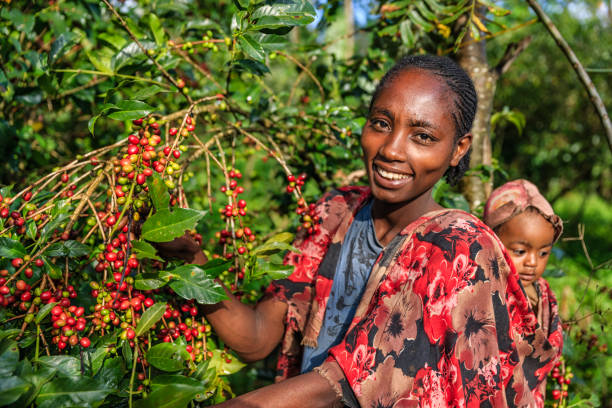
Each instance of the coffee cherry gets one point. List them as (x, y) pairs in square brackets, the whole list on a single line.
[(130, 334), (111, 220)]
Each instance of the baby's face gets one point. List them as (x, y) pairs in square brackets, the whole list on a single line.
[(528, 237)]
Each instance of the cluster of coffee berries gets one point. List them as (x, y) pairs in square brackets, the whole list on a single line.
[(68, 324), (67, 190), (295, 182), (309, 220), (114, 255), (562, 376)]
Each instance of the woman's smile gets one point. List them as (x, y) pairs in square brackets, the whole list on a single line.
[(390, 177)]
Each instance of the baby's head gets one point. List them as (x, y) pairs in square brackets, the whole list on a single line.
[(526, 224)]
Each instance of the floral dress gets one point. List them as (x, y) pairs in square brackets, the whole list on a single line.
[(443, 321)]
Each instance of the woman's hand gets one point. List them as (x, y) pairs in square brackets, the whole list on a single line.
[(185, 248)]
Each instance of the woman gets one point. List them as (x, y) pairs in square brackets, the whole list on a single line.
[(396, 301)]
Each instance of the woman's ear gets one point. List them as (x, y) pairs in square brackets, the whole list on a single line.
[(461, 148)]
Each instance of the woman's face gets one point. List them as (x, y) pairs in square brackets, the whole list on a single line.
[(408, 140)]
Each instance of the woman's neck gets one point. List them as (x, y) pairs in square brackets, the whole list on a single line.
[(390, 219)]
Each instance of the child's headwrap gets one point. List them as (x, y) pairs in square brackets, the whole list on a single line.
[(513, 198)]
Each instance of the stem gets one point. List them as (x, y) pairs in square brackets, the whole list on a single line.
[(111, 74), (135, 359), (578, 68), (37, 342)]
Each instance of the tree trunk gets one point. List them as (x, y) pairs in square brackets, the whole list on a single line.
[(349, 18), (472, 56)]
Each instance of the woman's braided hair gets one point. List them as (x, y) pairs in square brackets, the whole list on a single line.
[(459, 83)]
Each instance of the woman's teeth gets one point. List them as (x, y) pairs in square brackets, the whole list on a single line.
[(391, 176)]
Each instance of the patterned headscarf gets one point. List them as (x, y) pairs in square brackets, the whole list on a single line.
[(515, 197)]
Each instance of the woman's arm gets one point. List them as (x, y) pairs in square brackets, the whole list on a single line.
[(251, 332), (306, 390)]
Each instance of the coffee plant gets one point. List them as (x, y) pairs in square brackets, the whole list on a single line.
[(92, 314), (129, 124)]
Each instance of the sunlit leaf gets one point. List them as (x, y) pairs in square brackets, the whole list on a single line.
[(165, 225), (192, 282), (150, 317)]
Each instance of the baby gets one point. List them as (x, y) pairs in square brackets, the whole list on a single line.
[(528, 227)]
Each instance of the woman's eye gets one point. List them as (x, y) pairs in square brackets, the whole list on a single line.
[(379, 124), (425, 138)]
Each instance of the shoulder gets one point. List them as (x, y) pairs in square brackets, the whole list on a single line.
[(455, 226), (461, 241)]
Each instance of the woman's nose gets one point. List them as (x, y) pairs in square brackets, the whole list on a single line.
[(394, 147)]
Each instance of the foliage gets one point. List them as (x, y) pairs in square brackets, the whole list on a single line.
[(238, 102)]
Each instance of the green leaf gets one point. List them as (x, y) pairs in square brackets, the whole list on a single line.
[(203, 372), (37, 379), (91, 123), (425, 12), (61, 44), (61, 214), (115, 40), (130, 109), (9, 248), (11, 389), (272, 270), (31, 230), (419, 21), (158, 192), (252, 66), (144, 250), (221, 366), (101, 59), (274, 245), (405, 29), (149, 318), (271, 42), (164, 225), (98, 355), (251, 47), (9, 356), (75, 391), (289, 12), (176, 395), (215, 267), (70, 249), (157, 29), (168, 356), (191, 282), (131, 54), (68, 366), (126, 350), (43, 312), (148, 91), (148, 281), (111, 372)]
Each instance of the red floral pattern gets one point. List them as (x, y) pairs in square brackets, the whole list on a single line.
[(443, 322)]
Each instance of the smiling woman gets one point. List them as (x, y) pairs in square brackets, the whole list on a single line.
[(394, 300)]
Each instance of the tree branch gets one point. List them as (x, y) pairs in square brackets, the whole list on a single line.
[(580, 71), (144, 50), (512, 52)]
